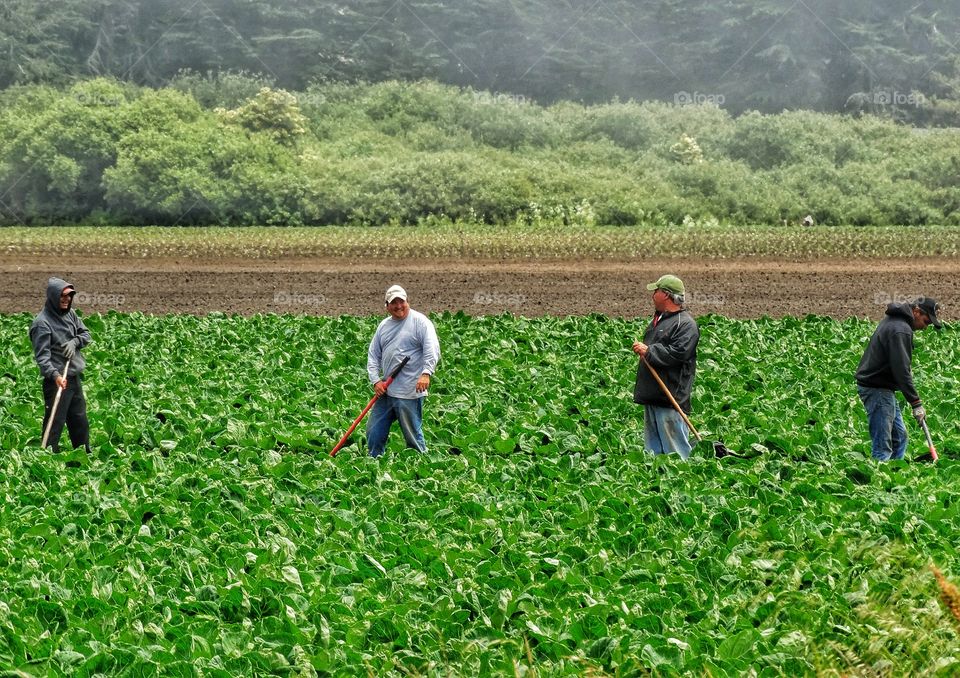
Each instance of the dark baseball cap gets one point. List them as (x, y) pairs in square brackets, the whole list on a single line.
[(930, 307)]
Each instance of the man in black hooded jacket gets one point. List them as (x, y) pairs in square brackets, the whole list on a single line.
[(885, 369), (57, 335), (670, 346)]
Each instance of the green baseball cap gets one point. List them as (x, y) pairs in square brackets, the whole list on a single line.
[(670, 283)]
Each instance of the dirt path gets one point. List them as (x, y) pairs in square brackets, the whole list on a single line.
[(740, 288)]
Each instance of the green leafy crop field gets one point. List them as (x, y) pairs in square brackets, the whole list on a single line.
[(209, 533)]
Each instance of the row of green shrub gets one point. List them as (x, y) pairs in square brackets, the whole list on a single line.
[(234, 152)]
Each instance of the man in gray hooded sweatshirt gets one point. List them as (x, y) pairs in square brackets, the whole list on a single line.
[(57, 335)]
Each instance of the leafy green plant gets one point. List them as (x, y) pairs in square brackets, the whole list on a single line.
[(210, 531)]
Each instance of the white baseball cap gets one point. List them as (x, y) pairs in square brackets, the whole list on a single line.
[(395, 291)]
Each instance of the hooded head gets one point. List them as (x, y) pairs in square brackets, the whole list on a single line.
[(55, 289)]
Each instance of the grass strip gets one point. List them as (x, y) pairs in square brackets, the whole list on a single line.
[(482, 241)]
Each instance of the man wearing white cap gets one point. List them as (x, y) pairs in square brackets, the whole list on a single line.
[(670, 346), (405, 333)]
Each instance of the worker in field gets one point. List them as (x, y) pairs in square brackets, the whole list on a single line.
[(668, 350), (58, 335), (885, 368), (404, 333)]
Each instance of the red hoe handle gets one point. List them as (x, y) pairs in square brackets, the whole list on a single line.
[(386, 382), (926, 431)]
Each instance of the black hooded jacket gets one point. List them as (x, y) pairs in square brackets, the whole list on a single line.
[(886, 360), (53, 327), (673, 353)]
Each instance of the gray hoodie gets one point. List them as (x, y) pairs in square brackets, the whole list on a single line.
[(53, 327), (886, 360)]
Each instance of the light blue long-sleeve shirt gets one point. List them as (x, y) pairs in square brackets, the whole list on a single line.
[(414, 336)]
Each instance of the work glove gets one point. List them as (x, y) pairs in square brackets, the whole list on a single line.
[(69, 349), (919, 414)]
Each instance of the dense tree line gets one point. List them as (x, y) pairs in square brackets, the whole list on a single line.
[(234, 152), (897, 57)]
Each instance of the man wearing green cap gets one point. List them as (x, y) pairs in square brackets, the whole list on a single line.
[(669, 346)]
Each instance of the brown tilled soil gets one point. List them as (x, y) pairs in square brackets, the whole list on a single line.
[(739, 288)]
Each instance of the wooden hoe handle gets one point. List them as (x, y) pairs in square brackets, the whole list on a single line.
[(673, 401)]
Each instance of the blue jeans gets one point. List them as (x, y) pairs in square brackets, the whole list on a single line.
[(888, 435), (387, 409), (665, 432)]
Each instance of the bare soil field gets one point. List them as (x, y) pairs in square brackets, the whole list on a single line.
[(737, 288)]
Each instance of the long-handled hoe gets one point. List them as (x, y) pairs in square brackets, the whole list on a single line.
[(932, 454), (719, 448), (386, 382), (53, 410)]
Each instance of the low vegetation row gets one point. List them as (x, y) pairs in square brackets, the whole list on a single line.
[(234, 152), (445, 239)]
